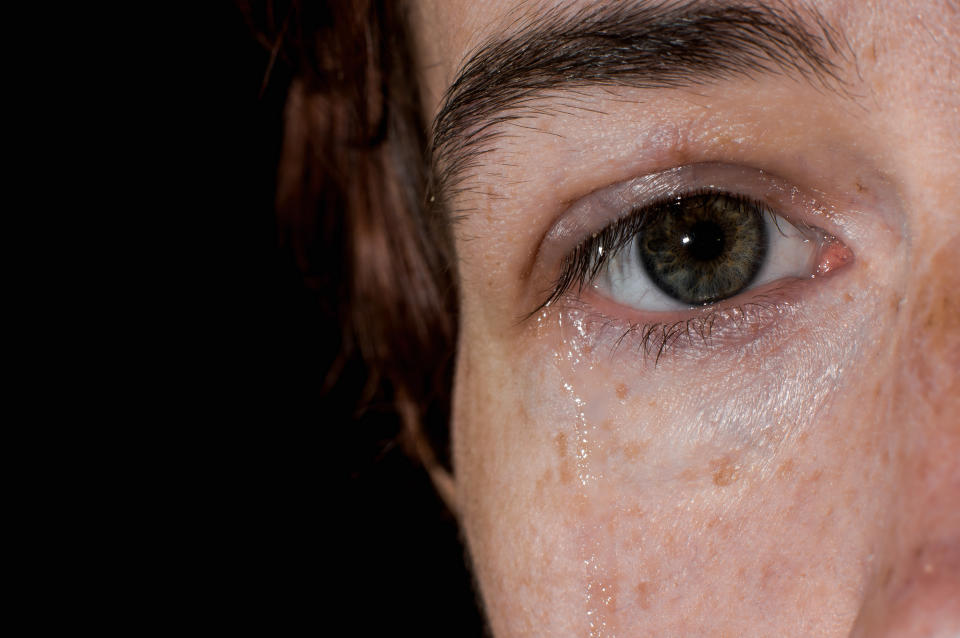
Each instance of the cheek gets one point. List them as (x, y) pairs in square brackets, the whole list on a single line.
[(517, 489), (599, 494), (931, 343)]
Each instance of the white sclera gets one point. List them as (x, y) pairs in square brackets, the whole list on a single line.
[(790, 254)]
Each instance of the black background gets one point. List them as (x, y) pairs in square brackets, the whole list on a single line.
[(345, 530)]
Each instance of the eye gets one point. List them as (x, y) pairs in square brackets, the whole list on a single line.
[(704, 255), (695, 250)]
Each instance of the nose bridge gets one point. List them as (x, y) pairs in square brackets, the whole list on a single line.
[(918, 598), (915, 589), (929, 341)]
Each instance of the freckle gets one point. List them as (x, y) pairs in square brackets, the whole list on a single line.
[(724, 472), (634, 449), (895, 303), (847, 297), (621, 391), (542, 482), (768, 573), (561, 441), (643, 594), (861, 188), (815, 477), (652, 404), (785, 469), (566, 475), (636, 511)]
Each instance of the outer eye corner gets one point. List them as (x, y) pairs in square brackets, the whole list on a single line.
[(832, 255)]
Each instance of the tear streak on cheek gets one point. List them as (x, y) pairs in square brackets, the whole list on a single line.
[(629, 436)]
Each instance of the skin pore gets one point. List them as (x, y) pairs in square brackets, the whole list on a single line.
[(792, 472)]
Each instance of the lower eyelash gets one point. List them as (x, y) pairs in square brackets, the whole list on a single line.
[(654, 339), (716, 328)]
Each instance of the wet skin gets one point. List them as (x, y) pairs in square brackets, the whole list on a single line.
[(797, 473)]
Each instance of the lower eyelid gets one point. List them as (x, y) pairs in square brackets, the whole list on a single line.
[(693, 333)]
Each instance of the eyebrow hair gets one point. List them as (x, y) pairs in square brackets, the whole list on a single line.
[(637, 44)]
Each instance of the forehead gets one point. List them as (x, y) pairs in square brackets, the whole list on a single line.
[(910, 40)]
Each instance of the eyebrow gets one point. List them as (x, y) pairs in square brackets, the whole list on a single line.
[(637, 44)]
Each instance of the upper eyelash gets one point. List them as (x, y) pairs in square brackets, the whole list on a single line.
[(582, 266)]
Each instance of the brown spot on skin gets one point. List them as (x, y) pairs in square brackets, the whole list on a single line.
[(542, 482), (566, 475), (932, 353), (847, 297), (561, 442), (621, 390), (861, 188), (725, 471), (768, 574), (785, 469), (895, 302), (635, 449), (636, 511), (643, 594)]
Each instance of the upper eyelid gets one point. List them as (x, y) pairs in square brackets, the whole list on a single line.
[(595, 211), (616, 236), (581, 221)]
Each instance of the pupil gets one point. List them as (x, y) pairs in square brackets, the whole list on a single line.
[(704, 241)]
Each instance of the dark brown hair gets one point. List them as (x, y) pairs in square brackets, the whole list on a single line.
[(352, 204)]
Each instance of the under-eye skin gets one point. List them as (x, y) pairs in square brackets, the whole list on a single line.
[(703, 266)]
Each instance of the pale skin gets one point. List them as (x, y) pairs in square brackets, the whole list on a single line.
[(797, 477)]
